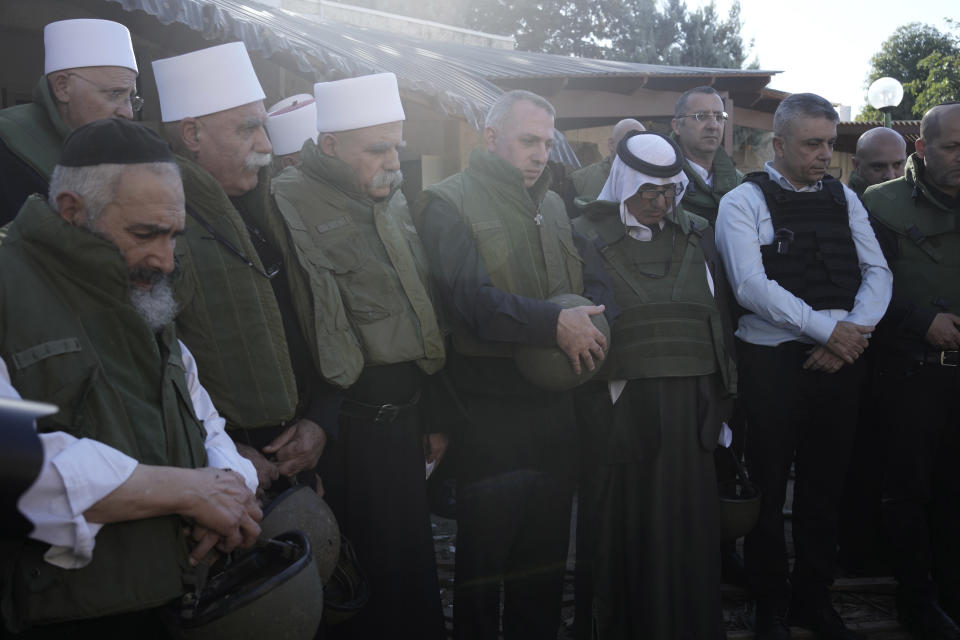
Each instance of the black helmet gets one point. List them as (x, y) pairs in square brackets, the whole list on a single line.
[(300, 508), (271, 591), (549, 367), (347, 590)]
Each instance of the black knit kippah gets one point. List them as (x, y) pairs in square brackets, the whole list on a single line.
[(113, 141), (647, 168)]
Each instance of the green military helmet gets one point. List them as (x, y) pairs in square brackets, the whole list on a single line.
[(549, 367), (347, 590), (271, 591), (300, 508), (739, 504)]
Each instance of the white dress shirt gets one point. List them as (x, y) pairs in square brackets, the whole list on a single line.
[(702, 172), (743, 225), (78, 473)]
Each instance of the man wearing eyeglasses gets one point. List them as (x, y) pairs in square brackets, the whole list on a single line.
[(654, 419), (251, 355), (698, 124), (90, 73), (807, 268)]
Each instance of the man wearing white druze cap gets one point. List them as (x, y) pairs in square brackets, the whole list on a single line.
[(374, 334), (90, 73), (211, 105), (290, 123)]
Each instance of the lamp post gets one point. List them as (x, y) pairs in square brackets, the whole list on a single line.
[(884, 94)]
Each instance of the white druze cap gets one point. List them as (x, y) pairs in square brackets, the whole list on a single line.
[(354, 103), (71, 44), (291, 122), (206, 81)]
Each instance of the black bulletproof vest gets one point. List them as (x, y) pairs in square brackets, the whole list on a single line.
[(812, 255)]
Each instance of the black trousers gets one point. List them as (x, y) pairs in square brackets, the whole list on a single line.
[(864, 548), (921, 487), (513, 524), (806, 419), (373, 475)]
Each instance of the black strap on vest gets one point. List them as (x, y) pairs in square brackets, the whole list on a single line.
[(812, 254), (271, 271)]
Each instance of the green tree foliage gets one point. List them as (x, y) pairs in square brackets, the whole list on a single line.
[(925, 60), (942, 83), (701, 38), (633, 30)]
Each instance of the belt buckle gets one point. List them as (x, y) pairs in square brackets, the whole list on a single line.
[(953, 360), (387, 413)]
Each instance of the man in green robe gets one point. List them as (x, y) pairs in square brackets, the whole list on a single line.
[(90, 72), (649, 509)]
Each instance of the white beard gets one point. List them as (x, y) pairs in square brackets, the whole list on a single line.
[(156, 305)]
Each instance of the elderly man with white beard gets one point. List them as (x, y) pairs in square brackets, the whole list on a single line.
[(346, 233), (250, 354), (136, 451)]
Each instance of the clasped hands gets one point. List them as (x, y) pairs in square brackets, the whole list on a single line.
[(847, 343)]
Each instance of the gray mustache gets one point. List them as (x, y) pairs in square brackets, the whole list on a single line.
[(390, 179), (256, 160)]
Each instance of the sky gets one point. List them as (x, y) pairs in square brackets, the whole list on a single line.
[(825, 47)]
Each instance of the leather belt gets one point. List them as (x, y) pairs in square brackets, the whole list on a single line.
[(942, 358), (377, 413)]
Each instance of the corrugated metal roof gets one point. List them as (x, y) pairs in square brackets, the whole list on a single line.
[(456, 79)]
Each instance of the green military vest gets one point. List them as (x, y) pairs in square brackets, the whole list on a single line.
[(588, 181), (360, 294), (857, 183), (925, 274), (700, 198), (35, 132), (523, 235), (669, 325), (78, 343), (228, 316)]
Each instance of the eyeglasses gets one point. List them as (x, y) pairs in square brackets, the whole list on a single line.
[(669, 192), (700, 116), (116, 95)]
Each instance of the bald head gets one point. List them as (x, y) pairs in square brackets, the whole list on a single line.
[(881, 155), (930, 124), (621, 129), (938, 147)]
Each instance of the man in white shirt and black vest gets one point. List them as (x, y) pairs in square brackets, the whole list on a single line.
[(806, 266)]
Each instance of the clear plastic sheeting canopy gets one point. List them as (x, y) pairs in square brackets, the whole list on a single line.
[(455, 79)]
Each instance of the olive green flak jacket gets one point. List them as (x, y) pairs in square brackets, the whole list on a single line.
[(359, 276), (523, 235), (229, 318), (588, 181), (81, 345), (669, 326), (703, 200), (928, 235), (35, 132)]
